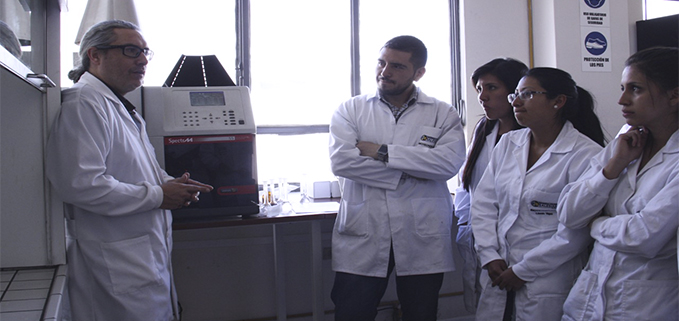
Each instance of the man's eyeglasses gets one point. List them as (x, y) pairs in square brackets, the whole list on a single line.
[(131, 51), (524, 95)]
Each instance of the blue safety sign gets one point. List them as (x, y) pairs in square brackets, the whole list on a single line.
[(594, 4)]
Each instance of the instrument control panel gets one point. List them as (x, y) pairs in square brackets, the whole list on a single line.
[(200, 110)]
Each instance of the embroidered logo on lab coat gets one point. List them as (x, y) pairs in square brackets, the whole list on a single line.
[(428, 141)]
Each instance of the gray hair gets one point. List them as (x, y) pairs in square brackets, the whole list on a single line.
[(100, 34), (9, 40)]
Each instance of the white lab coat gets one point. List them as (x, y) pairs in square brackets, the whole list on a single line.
[(514, 219), (632, 270), (378, 206), (471, 268), (119, 242)]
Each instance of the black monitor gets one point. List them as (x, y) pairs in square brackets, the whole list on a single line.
[(662, 31)]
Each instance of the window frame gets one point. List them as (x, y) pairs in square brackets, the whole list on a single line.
[(243, 64)]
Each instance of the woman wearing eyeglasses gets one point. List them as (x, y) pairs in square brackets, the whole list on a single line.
[(628, 199), (530, 259), (493, 82)]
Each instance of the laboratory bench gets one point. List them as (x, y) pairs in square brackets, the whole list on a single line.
[(32, 294), (308, 216), (231, 221)]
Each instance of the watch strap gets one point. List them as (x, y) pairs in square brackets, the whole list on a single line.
[(383, 153)]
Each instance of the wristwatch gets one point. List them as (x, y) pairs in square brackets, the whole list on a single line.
[(383, 153)]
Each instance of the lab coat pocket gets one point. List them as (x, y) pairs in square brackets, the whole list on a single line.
[(431, 216), (428, 136), (130, 264), (649, 300), (580, 303), (541, 209), (353, 219)]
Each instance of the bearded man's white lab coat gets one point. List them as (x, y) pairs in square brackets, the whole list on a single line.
[(103, 167), (405, 201)]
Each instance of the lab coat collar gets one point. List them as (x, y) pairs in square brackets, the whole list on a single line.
[(671, 147), (564, 142), (128, 105), (422, 98), (91, 80)]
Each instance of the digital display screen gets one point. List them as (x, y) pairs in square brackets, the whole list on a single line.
[(207, 98)]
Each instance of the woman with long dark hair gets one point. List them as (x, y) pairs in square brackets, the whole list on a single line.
[(530, 259), (493, 82)]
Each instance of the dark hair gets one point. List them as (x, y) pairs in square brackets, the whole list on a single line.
[(509, 71), (100, 34), (659, 64), (411, 45), (579, 106)]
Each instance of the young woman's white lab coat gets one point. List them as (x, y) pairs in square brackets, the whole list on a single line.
[(632, 270), (405, 201), (465, 240), (118, 240), (514, 219)]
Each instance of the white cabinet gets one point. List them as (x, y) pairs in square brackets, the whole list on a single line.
[(31, 222)]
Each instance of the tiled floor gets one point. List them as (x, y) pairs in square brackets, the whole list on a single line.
[(26, 293)]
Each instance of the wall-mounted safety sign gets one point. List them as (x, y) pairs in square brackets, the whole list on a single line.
[(595, 35), (594, 13)]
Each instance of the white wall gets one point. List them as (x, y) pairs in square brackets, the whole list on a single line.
[(490, 29), (563, 50), (500, 28)]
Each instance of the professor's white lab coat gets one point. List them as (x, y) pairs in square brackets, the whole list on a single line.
[(380, 204), (118, 240), (514, 219), (632, 270)]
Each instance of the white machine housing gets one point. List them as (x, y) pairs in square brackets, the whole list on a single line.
[(184, 122)]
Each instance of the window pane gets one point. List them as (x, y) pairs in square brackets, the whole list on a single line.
[(300, 53), (661, 8), (293, 157), (197, 28), (70, 22), (203, 27), (427, 20)]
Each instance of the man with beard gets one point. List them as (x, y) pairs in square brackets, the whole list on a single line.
[(117, 198), (394, 150)]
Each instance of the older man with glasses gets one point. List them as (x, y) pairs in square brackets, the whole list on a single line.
[(117, 198)]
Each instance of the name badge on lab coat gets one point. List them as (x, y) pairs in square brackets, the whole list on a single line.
[(429, 137), (542, 208)]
